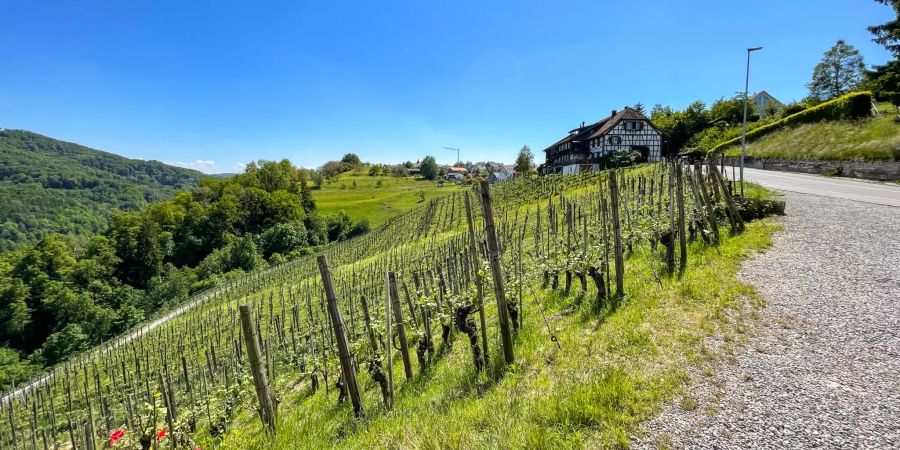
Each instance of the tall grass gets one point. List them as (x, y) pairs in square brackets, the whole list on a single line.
[(868, 139)]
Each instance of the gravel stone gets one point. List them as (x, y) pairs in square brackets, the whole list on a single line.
[(821, 368)]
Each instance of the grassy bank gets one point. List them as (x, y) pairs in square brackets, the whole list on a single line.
[(376, 198), (611, 370), (869, 139)]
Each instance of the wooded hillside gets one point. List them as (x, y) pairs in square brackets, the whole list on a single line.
[(51, 186)]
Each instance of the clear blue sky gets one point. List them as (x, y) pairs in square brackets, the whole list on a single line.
[(216, 84)]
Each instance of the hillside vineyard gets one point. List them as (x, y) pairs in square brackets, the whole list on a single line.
[(442, 269)]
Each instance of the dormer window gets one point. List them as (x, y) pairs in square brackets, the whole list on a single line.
[(634, 126)]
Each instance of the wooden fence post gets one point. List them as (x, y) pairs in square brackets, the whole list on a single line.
[(254, 354), (496, 271), (617, 233), (479, 290), (340, 335)]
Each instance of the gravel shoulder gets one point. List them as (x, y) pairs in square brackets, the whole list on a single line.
[(820, 365)]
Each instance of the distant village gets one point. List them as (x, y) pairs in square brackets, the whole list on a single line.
[(626, 136)]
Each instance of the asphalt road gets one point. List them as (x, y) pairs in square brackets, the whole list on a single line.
[(846, 188)]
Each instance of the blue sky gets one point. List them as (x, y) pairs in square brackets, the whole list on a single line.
[(215, 84)]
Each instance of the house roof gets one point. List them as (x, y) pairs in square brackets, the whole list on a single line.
[(760, 93), (602, 126), (580, 133)]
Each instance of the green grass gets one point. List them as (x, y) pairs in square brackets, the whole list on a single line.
[(613, 369), (376, 203), (870, 139)]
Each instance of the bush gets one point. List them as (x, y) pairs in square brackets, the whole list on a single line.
[(792, 109), (284, 238), (847, 107)]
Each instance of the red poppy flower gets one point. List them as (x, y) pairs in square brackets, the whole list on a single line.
[(161, 434), (115, 436)]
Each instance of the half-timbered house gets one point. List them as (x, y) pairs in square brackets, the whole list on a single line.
[(591, 147)]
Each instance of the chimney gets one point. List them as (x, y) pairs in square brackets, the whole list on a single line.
[(614, 112), (582, 124)]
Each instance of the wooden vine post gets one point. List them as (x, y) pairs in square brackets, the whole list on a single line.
[(340, 335), (394, 298), (617, 233), (479, 289), (737, 221), (257, 362), (679, 198), (496, 271)]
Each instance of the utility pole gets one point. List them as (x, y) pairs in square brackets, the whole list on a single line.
[(454, 149), (744, 129)]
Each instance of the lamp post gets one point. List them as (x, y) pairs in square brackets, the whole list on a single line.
[(744, 128), (454, 149)]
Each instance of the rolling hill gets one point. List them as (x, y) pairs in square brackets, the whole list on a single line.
[(376, 198), (52, 186)]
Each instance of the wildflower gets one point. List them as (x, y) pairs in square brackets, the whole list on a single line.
[(115, 436), (161, 434)]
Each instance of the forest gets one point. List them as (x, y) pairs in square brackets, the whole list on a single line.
[(51, 186), (61, 296)]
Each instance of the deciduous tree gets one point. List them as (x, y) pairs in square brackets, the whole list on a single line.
[(839, 72)]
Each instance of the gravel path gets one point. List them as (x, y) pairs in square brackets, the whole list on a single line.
[(821, 368)]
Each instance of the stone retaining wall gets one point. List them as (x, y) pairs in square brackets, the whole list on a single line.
[(870, 170)]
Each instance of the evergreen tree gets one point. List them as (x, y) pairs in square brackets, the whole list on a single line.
[(884, 80)]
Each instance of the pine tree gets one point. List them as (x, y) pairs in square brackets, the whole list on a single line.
[(884, 80)]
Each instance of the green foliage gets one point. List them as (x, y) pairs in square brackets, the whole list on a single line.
[(332, 169), (877, 138), (49, 186), (525, 160), (888, 33), (284, 238), (59, 345), (351, 159), (429, 168), (13, 369), (884, 80), (731, 111), (839, 72), (680, 126), (851, 106)]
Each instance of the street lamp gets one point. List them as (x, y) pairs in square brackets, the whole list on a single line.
[(454, 149), (744, 128)]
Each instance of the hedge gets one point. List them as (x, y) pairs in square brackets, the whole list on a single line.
[(850, 106)]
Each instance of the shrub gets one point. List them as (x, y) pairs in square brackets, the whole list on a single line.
[(851, 106)]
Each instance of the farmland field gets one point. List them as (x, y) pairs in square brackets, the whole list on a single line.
[(376, 198)]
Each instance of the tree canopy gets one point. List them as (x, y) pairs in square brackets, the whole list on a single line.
[(50, 186), (884, 80), (429, 168), (839, 72), (58, 297), (525, 160)]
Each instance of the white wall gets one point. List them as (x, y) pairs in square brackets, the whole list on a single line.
[(647, 137)]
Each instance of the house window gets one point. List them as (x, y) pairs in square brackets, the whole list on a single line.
[(614, 140), (634, 126)]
